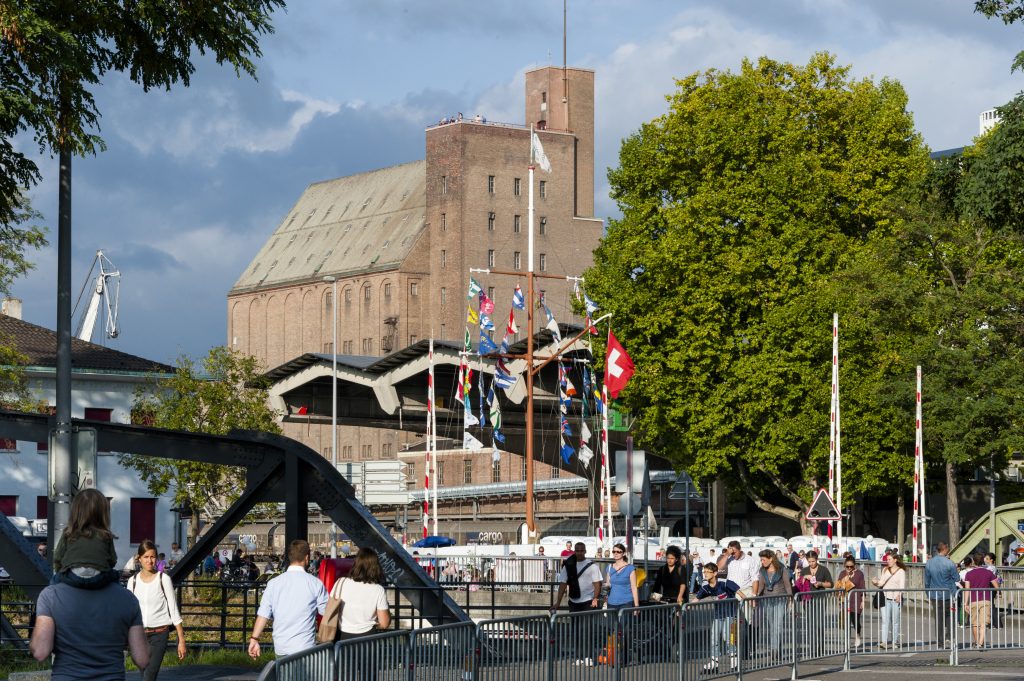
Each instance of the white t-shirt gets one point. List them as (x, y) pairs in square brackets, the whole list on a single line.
[(361, 603), (591, 573), (156, 600)]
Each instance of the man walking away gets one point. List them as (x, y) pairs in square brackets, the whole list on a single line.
[(292, 599), (743, 577), (940, 578), (582, 578), (980, 585)]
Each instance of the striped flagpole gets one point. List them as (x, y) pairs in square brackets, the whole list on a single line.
[(607, 482), (919, 531), (430, 423), (833, 409), (838, 498)]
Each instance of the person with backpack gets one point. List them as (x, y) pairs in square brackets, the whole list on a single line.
[(155, 593), (581, 577)]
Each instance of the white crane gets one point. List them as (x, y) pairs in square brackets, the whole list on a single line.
[(106, 287)]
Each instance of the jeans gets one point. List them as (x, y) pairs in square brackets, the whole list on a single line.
[(157, 648), (775, 618), (720, 635), (891, 622)]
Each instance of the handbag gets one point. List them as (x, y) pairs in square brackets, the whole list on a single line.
[(328, 630), (878, 599)]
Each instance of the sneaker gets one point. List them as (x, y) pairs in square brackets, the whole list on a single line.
[(856, 642), (733, 663), (883, 645), (588, 662), (712, 666)]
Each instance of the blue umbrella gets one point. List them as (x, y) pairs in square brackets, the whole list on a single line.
[(434, 542), (864, 555)]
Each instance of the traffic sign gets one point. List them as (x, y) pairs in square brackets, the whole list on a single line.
[(823, 508)]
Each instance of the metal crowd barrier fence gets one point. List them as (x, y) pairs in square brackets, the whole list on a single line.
[(315, 663), (443, 652), (514, 649), (377, 657), (989, 619)]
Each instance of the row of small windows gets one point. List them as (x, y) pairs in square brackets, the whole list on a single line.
[(365, 451), (467, 472), (517, 186), (414, 290), (517, 223), (517, 260)]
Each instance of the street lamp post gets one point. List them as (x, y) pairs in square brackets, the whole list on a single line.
[(334, 396)]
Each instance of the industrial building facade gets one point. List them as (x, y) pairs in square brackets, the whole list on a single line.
[(401, 241)]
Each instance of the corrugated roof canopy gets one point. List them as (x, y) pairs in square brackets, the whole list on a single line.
[(368, 221)]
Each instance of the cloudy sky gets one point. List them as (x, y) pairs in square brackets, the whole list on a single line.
[(193, 181)]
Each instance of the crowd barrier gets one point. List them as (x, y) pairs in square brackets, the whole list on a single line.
[(696, 641)]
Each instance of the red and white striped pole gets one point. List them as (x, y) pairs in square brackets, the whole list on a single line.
[(430, 423), (920, 515), (606, 481)]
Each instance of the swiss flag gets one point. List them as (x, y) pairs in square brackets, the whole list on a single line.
[(618, 366)]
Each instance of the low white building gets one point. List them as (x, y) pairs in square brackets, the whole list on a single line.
[(104, 382)]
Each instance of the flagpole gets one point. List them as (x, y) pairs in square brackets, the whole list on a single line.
[(607, 482), (838, 499), (531, 527), (924, 493), (833, 403), (430, 420)]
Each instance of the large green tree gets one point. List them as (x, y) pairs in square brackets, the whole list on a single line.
[(225, 392), (738, 206)]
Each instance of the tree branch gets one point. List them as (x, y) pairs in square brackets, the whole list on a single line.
[(760, 502)]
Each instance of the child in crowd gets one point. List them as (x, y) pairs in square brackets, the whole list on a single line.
[(85, 556)]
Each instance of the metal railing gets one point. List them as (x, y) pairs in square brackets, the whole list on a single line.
[(700, 640)]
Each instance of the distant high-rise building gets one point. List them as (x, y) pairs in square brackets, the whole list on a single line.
[(986, 121)]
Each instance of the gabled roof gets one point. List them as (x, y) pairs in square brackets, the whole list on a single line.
[(364, 222), (39, 344)]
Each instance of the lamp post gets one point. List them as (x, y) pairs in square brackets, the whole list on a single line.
[(334, 396)]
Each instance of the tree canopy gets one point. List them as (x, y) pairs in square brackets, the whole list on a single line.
[(739, 205), (54, 54), (225, 392)]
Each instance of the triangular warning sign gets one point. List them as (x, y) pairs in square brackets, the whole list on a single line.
[(823, 508)]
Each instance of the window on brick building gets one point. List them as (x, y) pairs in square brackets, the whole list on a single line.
[(444, 258), (543, 262), (412, 339), (444, 184), (440, 473), (367, 346), (496, 471), (517, 186), (517, 224), (490, 292), (414, 288), (328, 301), (328, 453), (385, 450), (490, 222), (348, 295), (490, 258), (367, 452), (444, 295), (556, 472), (543, 226), (142, 523), (522, 469), (543, 188), (467, 471), (328, 348), (443, 334), (490, 184), (387, 290), (444, 222), (517, 260), (367, 293)]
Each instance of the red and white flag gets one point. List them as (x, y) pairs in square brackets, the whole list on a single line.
[(618, 366)]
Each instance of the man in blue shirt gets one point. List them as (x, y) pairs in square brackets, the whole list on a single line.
[(293, 600), (940, 578)]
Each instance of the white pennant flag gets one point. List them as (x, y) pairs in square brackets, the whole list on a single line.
[(585, 432), (471, 419), (585, 455), (496, 454), (471, 443), (537, 151)]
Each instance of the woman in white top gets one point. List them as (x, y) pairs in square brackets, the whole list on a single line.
[(891, 581), (155, 592), (365, 601)]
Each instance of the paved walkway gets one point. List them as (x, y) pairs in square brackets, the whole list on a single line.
[(990, 665)]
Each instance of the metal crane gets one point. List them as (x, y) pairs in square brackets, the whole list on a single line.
[(106, 287)]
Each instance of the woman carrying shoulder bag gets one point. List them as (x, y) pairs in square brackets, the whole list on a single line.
[(155, 593), (772, 581), (892, 581), (364, 601)]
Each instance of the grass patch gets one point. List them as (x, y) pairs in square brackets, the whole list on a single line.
[(210, 656), (14, 660)]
